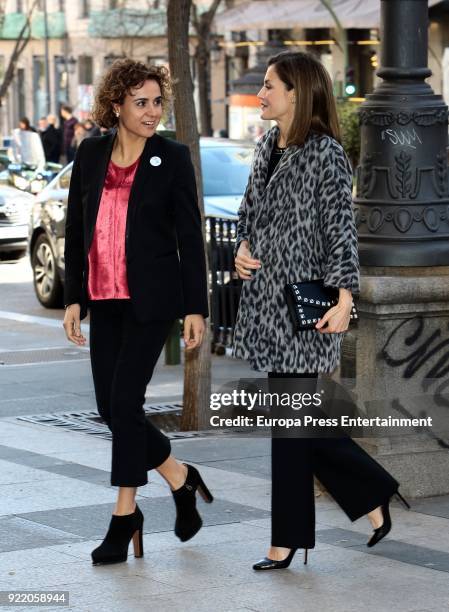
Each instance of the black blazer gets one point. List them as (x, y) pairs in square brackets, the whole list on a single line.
[(164, 244)]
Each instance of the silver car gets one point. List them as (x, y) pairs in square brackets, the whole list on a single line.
[(15, 208)]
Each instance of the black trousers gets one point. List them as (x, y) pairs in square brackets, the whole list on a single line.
[(123, 355), (354, 479)]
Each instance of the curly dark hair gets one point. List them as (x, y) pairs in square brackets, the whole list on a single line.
[(121, 77)]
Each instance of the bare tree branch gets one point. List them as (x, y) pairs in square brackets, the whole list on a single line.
[(20, 44), (202, 25)]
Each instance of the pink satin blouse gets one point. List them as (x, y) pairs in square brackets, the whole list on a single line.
[(107, 277)]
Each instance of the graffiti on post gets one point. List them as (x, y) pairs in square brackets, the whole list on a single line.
[(426, 355), (408, 138)]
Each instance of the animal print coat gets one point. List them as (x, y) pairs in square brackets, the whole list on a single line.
[(301, 227)]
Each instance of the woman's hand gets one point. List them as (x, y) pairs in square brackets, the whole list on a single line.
[(193, 326), (244, 263), (338, 316), (72, 324)]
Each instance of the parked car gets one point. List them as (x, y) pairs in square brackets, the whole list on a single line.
[(225, 165), (27, 177), (15, 208)]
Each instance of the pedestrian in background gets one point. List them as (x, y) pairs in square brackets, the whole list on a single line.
[(68, 131), (57, 134), (24, 124), (137, 274), (79, 134), (26, 145), (296, 223), (50, 140), (91, 128)]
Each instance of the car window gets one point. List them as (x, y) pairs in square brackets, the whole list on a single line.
[(225, 170), (64, 179)]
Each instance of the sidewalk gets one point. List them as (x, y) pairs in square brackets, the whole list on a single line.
[(56, 504)]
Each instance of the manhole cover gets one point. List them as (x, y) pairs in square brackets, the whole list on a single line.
[(165, 416)]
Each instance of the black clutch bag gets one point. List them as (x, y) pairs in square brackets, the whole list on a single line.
[(307, 302)]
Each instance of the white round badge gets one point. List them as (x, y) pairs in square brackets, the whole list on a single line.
[(155, 161)]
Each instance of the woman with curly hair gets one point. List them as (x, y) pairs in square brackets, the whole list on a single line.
[(134, 255)]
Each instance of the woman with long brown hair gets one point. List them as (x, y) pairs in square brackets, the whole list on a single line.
[(296, 224)]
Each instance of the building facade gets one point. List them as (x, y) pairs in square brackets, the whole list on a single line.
[(85, 36)]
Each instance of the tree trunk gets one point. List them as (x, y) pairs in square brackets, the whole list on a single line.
[(203, 68), (197, 375)]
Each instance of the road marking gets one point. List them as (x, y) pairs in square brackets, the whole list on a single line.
[(40, 363), (44, 348), (32, 397), (24, 318)]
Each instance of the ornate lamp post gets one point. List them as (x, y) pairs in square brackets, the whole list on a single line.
[(402, 201), (397, 358)]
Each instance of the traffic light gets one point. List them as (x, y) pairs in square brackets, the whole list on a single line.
[(350, 87)]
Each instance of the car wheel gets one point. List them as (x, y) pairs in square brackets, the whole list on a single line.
[(47, 284)]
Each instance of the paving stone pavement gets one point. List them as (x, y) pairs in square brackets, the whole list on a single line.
[(56, 503)]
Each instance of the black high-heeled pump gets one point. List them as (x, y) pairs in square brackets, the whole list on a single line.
[(267, 564), (188, 521), (385, 528), (122, 528)]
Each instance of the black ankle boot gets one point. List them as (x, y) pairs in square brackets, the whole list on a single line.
[(114, 547), (188, 521)]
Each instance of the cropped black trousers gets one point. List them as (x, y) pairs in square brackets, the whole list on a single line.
[(352, 477), (123, 354)]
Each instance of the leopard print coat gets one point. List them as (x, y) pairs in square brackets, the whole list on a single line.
[(301, 227)]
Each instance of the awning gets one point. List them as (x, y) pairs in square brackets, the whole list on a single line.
[(284, 14)]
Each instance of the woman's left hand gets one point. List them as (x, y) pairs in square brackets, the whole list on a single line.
[(337, 317), (193, 326)]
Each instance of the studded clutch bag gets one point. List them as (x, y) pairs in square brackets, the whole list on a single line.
[(307, 302)]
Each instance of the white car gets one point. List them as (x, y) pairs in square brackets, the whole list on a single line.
[(15, 208)]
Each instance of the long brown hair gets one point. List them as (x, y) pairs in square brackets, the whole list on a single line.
[(315, 107)]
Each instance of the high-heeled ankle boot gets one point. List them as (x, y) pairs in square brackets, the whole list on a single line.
[(188, 521), (385, 528), (267, 564), (114, 547)]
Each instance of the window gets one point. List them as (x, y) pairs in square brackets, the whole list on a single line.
[(85, 8), (225, 170), (85, 70), (39, 88), (60, 80), (19, 6), (21, 92)]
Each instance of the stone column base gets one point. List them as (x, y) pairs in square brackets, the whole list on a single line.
[(397, 363)]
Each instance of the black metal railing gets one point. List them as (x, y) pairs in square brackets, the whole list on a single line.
[(224, 284)]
